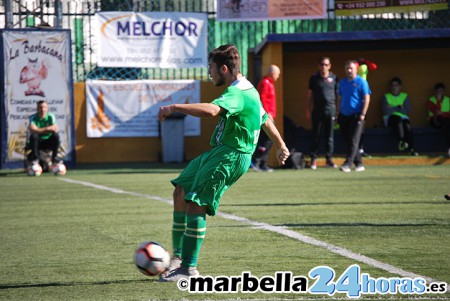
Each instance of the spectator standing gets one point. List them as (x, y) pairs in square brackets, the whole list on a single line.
[(43, 132), (199, 188), (354, 99), (439, 112), (266, 89), (396, 107), (321, 110)]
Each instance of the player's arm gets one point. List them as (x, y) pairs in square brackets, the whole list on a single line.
[(365, 107), (274, 135), (309, 96), (48, 129), (193, 109)]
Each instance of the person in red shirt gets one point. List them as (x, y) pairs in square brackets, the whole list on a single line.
[(266, 89), (439, 112)]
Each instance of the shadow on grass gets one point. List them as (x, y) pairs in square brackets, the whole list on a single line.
[(60, 284)]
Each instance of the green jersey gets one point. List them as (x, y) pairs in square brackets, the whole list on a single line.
[(240, 124), (50, 119)]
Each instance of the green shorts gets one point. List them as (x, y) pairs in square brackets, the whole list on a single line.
[(207, 177)]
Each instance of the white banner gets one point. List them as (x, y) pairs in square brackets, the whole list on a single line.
[(36, 67), (261, 10), (130, 108), (152, 39)]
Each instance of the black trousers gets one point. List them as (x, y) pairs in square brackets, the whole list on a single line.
[(402, 129), (36, 143), (351, 128), (322, 124), (443, 124)]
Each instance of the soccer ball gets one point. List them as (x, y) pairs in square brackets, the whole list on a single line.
[(59, 169), (151, 258), (34, 170)]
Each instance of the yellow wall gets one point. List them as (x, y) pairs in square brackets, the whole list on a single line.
[(419, 70), (90, 150)]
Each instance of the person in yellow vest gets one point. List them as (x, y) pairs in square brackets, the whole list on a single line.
[(396, 107), (439, 112)]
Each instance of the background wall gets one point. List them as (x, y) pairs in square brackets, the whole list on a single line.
[(419, 69)]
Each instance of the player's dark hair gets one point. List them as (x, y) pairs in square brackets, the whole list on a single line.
[(227, 55), (396, 80), (439, 86), (40, 102)]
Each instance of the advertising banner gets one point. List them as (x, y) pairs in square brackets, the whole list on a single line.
[(260, 10), (152, 39), (130, 108), (36, 66), (364, 7)]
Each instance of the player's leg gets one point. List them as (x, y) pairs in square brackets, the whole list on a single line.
[(182, 183), (218, 171), (34, 146)]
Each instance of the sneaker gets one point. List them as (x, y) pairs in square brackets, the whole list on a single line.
[(402, 145), (175, 263), (181, 273), (266, 168), (345, 168), (313, 164), (414, 153), (360, 167), (254, 166), (331, 164)]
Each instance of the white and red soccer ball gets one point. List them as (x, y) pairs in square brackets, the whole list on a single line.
[(34, 170), (58, 169), (151, 258)]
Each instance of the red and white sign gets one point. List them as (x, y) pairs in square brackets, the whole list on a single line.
[(37, 66)]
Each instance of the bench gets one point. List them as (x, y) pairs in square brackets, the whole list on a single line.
[(378, 141)]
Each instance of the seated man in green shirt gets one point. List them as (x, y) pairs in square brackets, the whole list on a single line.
[(43, 132)]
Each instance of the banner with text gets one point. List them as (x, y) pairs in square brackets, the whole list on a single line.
[(364, 7), (36, 66), (152, 39), (130, 108), (260, 10)]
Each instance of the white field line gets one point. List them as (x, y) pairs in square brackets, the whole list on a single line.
[(277, 229)]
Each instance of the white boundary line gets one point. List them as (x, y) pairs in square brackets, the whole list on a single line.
[(276, 229)]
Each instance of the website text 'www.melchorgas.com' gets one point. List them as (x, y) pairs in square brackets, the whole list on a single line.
[(351, 282)]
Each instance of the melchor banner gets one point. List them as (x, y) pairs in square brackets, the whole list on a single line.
[(260, 10), (364, 7), (36, 65), (130, 108), (152, 40)]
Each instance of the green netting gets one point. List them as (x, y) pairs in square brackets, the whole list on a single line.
[(78, 16)]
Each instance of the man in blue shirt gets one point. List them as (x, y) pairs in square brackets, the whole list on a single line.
[(354, 99)]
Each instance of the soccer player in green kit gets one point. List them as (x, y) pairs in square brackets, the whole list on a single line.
[(199, 187)]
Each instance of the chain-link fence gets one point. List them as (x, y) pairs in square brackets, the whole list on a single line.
[(79, 17)]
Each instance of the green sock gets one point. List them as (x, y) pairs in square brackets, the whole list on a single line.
[(193, 239), (178, 228)]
